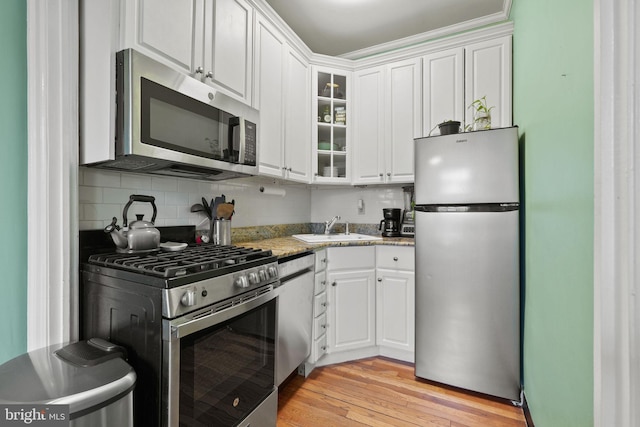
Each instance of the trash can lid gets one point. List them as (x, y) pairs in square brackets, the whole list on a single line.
[(44, 377)]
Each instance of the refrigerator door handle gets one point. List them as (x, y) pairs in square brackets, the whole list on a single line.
[(477, 207)]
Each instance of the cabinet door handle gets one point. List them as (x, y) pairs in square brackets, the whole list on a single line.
[(324, 304), (209, 75), (199, 70), (379, 279), (395, 258), (324, 282), (334, 284), (388, 173)]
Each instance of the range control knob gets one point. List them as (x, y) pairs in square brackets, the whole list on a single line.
[(241, 282), (188, 298), (273, 271), (263, 275), (253, 278)]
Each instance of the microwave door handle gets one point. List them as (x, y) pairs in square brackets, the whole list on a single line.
[(242, 136), (236, 134)]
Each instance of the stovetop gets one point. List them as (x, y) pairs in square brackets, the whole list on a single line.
[(169, 269), (196, 258)]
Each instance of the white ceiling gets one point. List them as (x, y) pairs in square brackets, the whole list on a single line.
[(342, 27)]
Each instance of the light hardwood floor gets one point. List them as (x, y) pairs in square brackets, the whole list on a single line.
[(383, 392)]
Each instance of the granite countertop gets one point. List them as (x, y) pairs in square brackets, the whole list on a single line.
[(286, 246)]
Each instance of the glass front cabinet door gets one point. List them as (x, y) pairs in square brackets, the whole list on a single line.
[(331, 137)]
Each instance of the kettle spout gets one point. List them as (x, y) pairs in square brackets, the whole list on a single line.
[(118, 236)]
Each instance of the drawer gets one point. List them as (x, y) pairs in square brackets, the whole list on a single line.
[(321, 283), (320, 346), (321, 260), (319, 326), (395, 257), (319, 304), (351, 258)]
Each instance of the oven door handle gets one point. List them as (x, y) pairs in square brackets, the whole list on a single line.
[(198, 321)]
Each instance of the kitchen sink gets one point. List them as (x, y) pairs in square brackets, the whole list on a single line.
[(335, 237)]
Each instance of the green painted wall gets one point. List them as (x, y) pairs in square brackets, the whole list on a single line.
[(13, 178), (553, 105)]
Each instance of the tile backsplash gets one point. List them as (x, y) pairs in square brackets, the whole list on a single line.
[(103, 194)]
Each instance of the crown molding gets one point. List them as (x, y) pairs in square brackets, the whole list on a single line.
[(427, 36), (451, 36)]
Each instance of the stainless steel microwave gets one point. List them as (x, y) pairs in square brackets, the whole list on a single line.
[(169, 123)]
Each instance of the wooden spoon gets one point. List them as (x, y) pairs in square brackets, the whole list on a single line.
[(225, 210)]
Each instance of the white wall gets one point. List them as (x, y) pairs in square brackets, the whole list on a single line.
[(103, 194), (327, 202)]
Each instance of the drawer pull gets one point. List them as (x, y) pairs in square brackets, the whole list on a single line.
[(395, 258), (379, 279)]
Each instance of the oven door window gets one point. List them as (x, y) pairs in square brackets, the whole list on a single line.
[(178, 122), (228, 369)]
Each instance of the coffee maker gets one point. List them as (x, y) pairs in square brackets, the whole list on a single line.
[(390, 225), (408, 226)]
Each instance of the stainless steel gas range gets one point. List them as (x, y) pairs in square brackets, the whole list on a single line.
[(200, 328)]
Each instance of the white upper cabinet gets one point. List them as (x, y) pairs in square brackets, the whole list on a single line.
[(170, 30), (211, 40), (368, 133), (283, 97), (297, 119), (388, 116), (228, 51), (331, 130), (269, 75), (443, 82), (488, 73), (454, 78), (403, 118)]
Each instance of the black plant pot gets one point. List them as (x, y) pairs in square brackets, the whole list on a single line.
[(447, 128)]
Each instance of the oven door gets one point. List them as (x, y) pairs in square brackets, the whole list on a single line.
[(219, 367)]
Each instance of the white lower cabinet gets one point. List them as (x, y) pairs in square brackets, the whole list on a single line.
[(395, 302), (370, 303), (351, 298), (352, 310)]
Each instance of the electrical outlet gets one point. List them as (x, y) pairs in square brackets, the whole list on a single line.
[(360, 207)]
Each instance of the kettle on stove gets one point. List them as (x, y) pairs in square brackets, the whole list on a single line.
[(140, 235)]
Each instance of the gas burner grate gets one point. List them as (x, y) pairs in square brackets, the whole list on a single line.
[(193, 259)]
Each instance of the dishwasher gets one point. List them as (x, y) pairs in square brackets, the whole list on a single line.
[(295, 313)]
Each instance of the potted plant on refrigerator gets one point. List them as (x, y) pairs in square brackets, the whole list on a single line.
[(448, 127), (481, 115)]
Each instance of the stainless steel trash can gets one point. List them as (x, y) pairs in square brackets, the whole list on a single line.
[(89, 379)]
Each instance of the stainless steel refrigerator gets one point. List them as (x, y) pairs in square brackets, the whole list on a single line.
[(468, 261)]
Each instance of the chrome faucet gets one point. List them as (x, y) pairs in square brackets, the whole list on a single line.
[(328, 225)]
